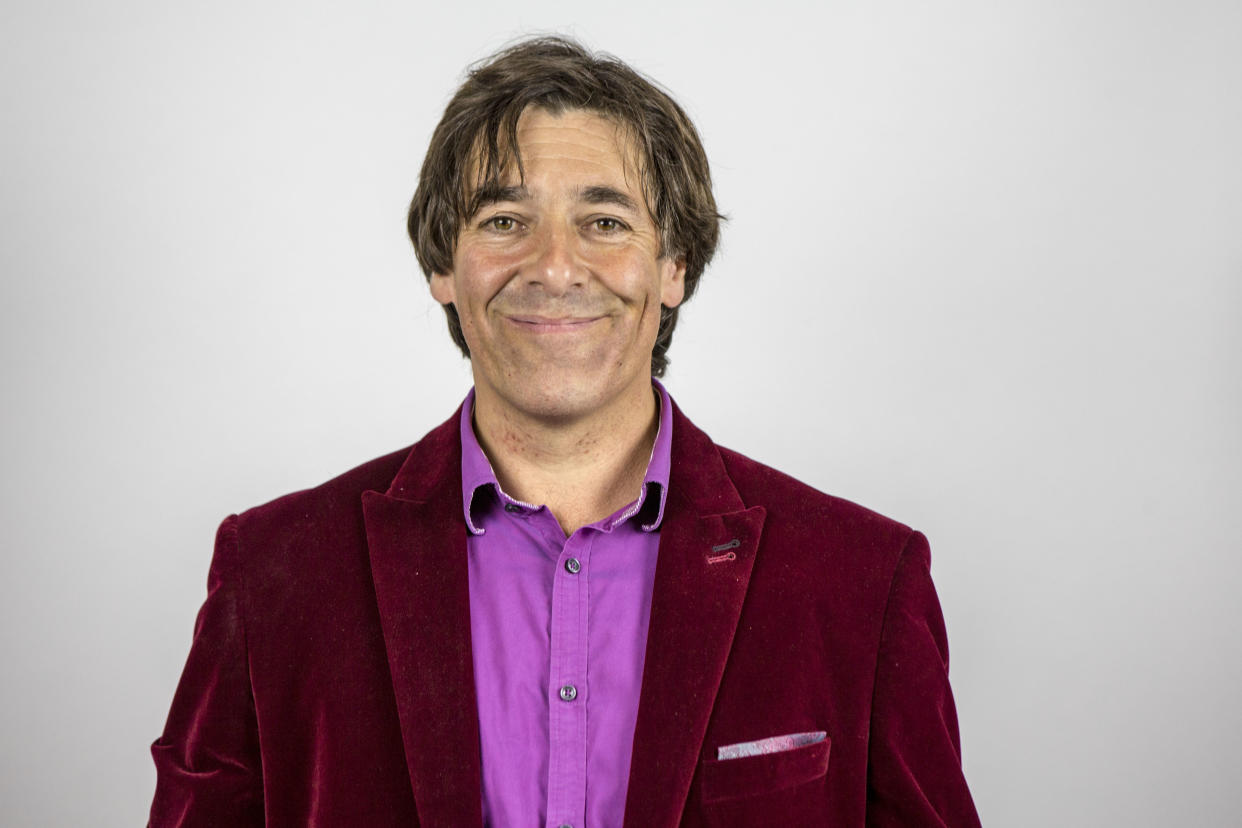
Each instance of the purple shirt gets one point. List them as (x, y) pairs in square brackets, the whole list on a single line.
[(559, 630)]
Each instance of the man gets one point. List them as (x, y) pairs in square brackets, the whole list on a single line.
[(565, 605)]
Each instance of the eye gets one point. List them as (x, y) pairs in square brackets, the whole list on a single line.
[(608, 225), (502, 224)]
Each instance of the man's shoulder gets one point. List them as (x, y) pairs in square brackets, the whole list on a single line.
[(329, 499), (802, 510), (407, 472), (816, 548)]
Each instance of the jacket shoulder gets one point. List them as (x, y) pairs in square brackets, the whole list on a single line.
[(326, 503), (807, 513)]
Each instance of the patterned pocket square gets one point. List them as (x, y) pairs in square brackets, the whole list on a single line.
[(773, 744)]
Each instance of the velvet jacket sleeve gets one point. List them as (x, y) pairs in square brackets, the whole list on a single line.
[(914, 769), (207, 761)]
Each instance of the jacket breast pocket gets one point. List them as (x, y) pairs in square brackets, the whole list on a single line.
[(775, 773)]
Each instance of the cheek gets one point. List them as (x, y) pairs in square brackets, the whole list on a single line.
[(481, 274), (627, 273)]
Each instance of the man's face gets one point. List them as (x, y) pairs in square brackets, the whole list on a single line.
[(557, 278)]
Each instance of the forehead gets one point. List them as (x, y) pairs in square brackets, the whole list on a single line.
[(574, 144)]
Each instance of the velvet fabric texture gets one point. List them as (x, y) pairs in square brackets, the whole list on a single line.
[(330, 682)]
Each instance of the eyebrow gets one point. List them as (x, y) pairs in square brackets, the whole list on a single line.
[(494, 194), (490, 194), (607, 195)]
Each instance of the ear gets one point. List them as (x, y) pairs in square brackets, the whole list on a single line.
[(672, 281), (442, 288)]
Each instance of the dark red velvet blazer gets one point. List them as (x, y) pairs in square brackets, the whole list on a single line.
[(330, 680)]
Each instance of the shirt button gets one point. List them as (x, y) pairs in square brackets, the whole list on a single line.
[(573, 566), (512, 507), (569, 692)]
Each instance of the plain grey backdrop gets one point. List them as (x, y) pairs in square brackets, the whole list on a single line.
[(983, 273)]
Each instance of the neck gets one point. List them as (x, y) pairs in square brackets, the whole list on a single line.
[(582, 468)]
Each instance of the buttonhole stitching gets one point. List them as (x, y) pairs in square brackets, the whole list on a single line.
[(729, 556)]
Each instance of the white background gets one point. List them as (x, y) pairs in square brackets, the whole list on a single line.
[(983, 273)]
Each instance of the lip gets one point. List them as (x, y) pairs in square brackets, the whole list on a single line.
[(551, 324)]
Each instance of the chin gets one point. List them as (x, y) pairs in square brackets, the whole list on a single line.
[(563, 392), (556, 400)]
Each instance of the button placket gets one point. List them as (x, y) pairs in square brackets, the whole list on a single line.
[(568, 692)]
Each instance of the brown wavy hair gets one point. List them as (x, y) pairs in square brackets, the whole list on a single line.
[(478, 132)]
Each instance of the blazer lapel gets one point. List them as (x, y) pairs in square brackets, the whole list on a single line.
[(708, 542), (417, 542)]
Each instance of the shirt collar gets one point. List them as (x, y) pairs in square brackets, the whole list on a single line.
[(477, 473)]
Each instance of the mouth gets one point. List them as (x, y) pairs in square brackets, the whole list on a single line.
[(553, 324)]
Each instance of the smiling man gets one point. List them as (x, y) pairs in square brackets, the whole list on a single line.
[(558, 279), (565, 606)]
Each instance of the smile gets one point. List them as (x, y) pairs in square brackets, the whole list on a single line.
[(548, 324)]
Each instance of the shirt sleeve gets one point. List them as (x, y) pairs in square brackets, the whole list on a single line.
[(208, 770), (914, 768)]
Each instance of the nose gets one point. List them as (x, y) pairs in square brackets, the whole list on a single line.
[(556, 265)]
